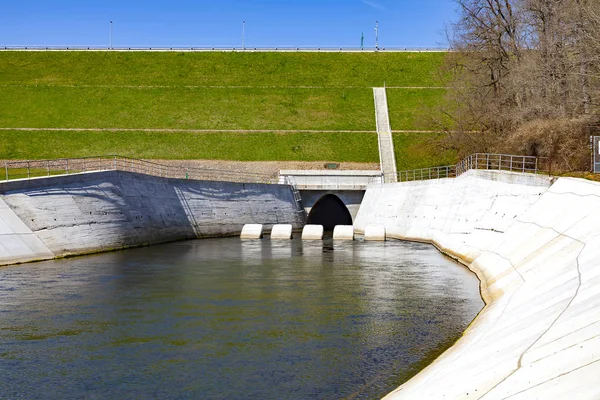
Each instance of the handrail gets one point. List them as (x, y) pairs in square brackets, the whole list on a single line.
[(484, 161), (204, 48), (29, 169)]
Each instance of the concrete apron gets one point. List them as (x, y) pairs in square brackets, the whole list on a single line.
[(536, 251)]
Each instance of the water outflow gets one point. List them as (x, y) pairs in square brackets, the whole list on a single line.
[(329, 211), (227, 318)]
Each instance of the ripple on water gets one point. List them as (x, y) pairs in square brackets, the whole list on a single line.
[(231, 319)]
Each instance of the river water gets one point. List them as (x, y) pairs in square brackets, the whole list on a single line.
[(231, 319)]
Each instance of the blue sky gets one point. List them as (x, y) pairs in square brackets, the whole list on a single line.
[(403, 23)]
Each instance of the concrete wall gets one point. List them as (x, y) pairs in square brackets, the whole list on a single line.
[(69, 215), (331, 179), (536, 250)]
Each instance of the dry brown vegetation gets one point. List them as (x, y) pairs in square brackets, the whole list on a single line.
[(525, 77)]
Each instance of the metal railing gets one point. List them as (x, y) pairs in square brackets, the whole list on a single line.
[(14, 170), (446, 171), (502, 162), (484, 161), (284, 48)]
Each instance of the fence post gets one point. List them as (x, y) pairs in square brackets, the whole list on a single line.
[(536, 166), (511, 163)]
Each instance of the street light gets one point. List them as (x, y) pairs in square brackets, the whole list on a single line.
[(244, 35), (376, 35), (110, 35)]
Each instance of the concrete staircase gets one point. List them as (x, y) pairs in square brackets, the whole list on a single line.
[(387, 158)]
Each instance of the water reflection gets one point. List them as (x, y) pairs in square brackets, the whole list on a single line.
[(229, 318)]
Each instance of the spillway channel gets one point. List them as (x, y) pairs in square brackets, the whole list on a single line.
[(228, 318)]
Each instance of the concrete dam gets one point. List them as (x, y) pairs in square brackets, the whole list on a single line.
[(532, 240)]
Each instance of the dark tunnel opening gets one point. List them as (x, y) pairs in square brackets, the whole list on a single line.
[(329, 211)]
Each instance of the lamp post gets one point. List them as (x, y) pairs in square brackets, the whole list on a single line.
[(376, 35), (244, 35), (110, 35)]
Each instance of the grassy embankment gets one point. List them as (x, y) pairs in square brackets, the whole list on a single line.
[(216, 91)]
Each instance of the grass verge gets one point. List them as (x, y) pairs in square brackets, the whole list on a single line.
[(220, 68), (187, 108), (414, 109), (267, 146), (422, 150)]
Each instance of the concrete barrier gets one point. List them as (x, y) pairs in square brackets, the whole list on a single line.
[(312, 232), (343, 232), (281, 231), (252, 231), (536, 250), (375, 233)]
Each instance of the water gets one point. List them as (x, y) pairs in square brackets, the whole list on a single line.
[(230, 319)]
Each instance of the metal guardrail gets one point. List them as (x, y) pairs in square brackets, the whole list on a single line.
[(447, 171), (14, 170), (502, 162), (221, 48), (484, 161)]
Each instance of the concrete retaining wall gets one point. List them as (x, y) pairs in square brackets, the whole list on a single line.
[(110, 210), (536, 250)]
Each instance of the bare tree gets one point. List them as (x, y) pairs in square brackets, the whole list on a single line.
[(522, 64)]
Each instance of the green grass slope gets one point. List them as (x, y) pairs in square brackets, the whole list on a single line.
[(220, 69), (187, 108), (260, 146), (216, 91)]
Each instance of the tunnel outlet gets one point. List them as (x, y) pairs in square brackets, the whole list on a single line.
[(329, 211)]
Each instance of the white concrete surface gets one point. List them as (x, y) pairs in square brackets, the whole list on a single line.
[(252, 231), (89, 213), (281, 231), (343, 232), (18, 243), (536, 250), (330, 179), (387, 157), (312, 232), (374, 232)]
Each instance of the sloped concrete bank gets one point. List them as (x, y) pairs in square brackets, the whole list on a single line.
[(535, 245), (86, 213)]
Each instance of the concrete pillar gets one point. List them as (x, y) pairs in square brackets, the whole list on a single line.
[(375, 232), (283, 231), (312, 232), (343, 232), (252, 231)]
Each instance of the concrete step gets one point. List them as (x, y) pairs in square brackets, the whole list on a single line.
[(386, 144)]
